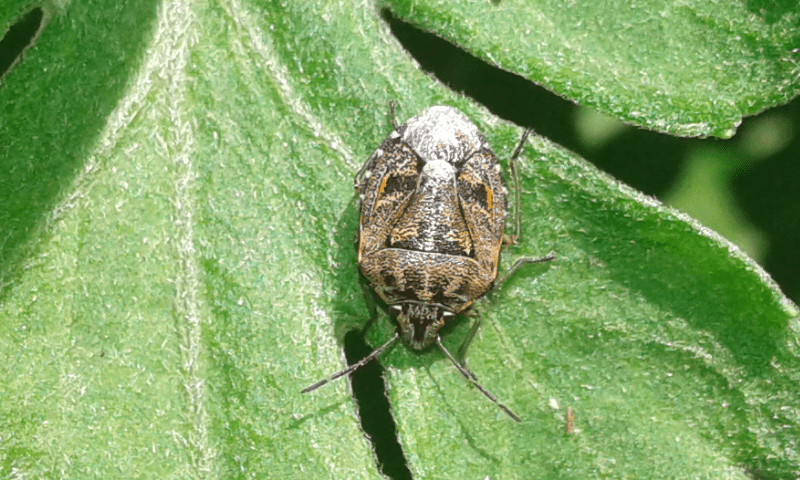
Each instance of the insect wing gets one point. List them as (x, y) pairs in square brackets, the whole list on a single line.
[(387, 188), (482, 195)]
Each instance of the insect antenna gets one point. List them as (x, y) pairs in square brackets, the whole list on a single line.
[(473, 380), (354, 366)]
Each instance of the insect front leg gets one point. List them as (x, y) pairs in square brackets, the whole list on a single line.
[(462, 350), (512, 166)]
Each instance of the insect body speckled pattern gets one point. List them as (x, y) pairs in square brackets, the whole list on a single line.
[(433, 207)]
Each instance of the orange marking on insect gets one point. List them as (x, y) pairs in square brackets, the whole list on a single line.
[(381, 187)]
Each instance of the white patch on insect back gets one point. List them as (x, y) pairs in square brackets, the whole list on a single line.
[(443, 133), (439, 170)]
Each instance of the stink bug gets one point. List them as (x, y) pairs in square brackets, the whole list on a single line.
[(433, 208)]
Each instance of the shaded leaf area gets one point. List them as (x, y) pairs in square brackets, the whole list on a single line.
[(41, 156), (690, 69), (178, 263), (18, 37), (374, 409)]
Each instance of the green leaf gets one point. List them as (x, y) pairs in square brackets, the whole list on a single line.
[(690, 68), (177, 260)]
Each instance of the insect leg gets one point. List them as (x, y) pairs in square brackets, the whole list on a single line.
[(519, 263), (512, 165), (462, 350), (391, 112)]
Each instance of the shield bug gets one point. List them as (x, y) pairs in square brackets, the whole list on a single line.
[(433, 209)]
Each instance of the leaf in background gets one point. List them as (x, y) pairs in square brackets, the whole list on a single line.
[(178, 215), (689, 68)]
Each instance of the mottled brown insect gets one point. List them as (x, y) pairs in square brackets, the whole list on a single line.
[(433, 208)]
